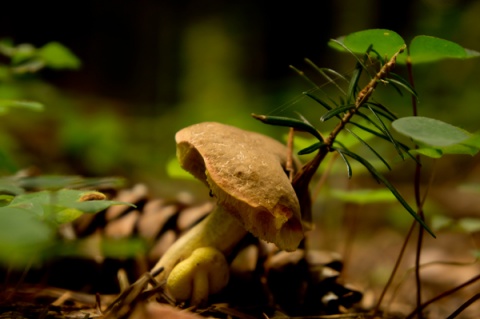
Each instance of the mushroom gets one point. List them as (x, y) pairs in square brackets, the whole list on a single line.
[(245, 172), (205, 272)]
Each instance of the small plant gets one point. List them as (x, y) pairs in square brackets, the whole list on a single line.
[(436, 137), (26, 59), (30, 221), (33, 209), (357, 113)]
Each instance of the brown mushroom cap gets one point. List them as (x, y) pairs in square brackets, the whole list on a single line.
[(246, 173)]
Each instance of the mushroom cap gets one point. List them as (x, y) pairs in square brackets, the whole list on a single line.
[(246, 173)]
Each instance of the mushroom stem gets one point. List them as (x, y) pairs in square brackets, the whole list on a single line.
[(220, 230)]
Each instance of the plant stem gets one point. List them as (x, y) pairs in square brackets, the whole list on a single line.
[(395, 268), (302, 179), (418, 199), (464, 306), (443, 295)]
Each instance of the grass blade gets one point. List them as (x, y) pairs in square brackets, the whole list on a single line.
[(349, 167), (392, 189), (336, 112), (312, 148), (386, 131), (289, 122), (318, 100), (328, 78), (404, 147), (384, 109), (370, 148), (400, 81)]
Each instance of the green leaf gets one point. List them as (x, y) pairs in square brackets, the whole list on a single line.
[(438, 152), (353, 84), (364, 196), (318, 100), (50, 182), (470, 146), (370, 148), (323, 72), (55, 182), (310, 149), (382, 110), (347, 163), (473, 140), (22, 236), (289, 122), (427, 49), (30, 66), (62, 206), (6, 105), (57, 56), (428, 151), (336, 111), (469, 224), (385, 42), (392, 189), (8, 186), (384, 129), (405, 85), (6, 199), (466, 224), (22, 52), (440, 222), (123, 248), (430, 131)]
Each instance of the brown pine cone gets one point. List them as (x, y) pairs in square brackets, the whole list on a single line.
[(303, 282)]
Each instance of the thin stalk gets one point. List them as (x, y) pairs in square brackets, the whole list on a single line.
[(464, 306), (395, 268), (402, 252), (418, 199), (443, 295)]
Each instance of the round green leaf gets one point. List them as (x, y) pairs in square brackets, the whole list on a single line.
[(385, 42), (430, 131), (424, 49), (57, 56)]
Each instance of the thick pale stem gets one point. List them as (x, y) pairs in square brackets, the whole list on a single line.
[(200, 288), (219, 230)]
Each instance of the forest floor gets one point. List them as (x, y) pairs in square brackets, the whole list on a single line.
[(80, 288)]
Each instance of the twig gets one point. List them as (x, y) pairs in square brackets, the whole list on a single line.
[(464, 306), (395, 268), (442, 295)]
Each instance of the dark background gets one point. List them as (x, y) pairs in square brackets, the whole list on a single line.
[(152, 67)]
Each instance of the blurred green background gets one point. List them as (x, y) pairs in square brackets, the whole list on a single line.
[(151, 67)]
